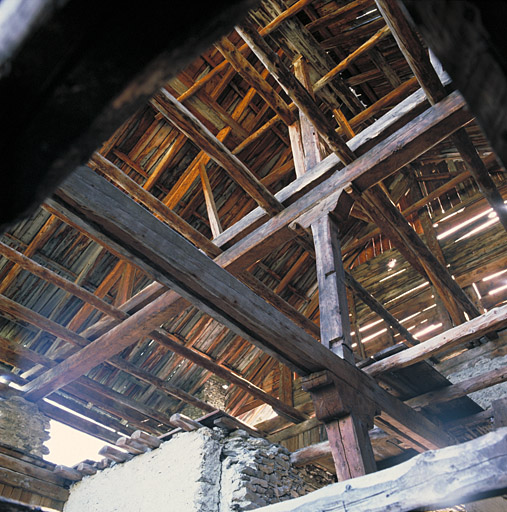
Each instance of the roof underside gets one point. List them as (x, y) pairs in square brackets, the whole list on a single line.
[(169, 168)]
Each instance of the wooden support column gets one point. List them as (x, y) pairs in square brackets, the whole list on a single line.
[(346, 424), (347, 421), (334, 313)]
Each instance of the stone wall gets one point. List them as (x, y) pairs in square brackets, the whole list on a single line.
[(477, 361), (257, 473), (23, 426), (202, 471)]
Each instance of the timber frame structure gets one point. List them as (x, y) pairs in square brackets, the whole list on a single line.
[(305, 216)]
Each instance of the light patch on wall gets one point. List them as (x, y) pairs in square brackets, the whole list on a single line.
[(69, 446)]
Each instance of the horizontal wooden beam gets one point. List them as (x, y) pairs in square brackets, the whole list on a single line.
[(495, 319), (360, 144), (461, 388), (453, 475), (401, 148), (176, 263)]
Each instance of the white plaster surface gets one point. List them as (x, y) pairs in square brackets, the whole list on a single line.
[(183, 475)]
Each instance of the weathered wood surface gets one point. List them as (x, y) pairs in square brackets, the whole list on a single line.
[(295, 90), (187, 123), (185, 423), (446, 477), (365, 140), (253, 77), (459, 389), (464, 38), (496, 319), (419, 61), (395, 152), (334, 312), (213, 290), (8, 505)]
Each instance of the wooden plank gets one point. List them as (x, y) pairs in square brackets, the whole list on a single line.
[(496, 319), (477, 468)]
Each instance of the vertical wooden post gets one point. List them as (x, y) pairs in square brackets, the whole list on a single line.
[(350, 447), (334, 313), (346, 419)]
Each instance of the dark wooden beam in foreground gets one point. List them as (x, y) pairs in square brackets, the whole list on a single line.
[(175, 262), (458, 474)]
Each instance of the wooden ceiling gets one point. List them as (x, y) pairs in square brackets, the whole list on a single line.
[(213, 157)]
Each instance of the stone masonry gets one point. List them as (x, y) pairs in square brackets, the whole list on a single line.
[(201, 471), (23, 426)]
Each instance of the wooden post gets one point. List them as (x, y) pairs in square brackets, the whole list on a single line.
[(334, 313), (346, 423)]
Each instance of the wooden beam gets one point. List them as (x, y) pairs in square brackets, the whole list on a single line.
[(345, 63), (464, 37), (295, 90), (360, 144), (417, 58), (187, 123), (396, 151), (302, 42), (211, 208), (447, 288), (378, 308), (255, 80), (351, 448), (176, 263), (496, 319), (459, 389), (477, 469)]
